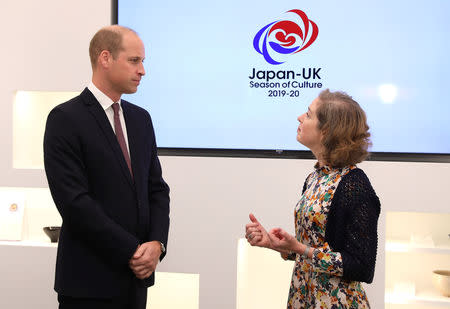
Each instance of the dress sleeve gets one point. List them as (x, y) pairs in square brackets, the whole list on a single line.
[(351, 233), (325, 260), (292, 256)]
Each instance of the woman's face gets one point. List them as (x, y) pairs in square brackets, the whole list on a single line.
[(308, 132)]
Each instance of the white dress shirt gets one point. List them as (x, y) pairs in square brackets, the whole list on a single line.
[(107, 103)]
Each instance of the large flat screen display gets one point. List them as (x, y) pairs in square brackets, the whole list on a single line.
[(236, 74)]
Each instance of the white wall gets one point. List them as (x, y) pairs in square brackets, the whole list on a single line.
[(45, 47)]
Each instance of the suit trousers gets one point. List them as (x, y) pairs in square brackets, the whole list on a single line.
[(134, 298)]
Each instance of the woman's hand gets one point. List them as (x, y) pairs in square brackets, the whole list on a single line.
[(283, 241), (256, 234)]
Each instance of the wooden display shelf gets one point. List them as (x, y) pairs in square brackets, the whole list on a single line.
[(429, 298), (404, 246), (28, 243)]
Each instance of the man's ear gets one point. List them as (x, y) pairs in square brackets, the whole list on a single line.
[(104, 59)]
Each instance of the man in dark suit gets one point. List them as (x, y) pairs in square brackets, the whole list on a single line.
[(105, 178)]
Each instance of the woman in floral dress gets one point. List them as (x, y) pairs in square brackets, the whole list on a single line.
[(336, 217)]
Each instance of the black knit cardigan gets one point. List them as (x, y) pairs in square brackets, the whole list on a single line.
[(351, 227)]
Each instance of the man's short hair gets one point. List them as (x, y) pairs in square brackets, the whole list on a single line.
[(108, 38)]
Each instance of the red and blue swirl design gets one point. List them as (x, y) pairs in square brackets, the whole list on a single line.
[(285, 37)]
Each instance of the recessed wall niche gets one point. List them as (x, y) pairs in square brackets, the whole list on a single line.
[(417, 243), (30, 110)]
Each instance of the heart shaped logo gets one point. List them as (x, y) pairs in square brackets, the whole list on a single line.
[(281, 38)]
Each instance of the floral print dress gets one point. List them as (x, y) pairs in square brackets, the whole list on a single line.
[(317, 281)]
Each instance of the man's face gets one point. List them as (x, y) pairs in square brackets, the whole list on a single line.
[(125, 72)]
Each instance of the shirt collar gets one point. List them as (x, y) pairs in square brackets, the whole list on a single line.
[(327, 169), (102, 98), (324, 169)]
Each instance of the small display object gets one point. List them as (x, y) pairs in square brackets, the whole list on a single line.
[(52, 232), (12, 206), (441, 280)]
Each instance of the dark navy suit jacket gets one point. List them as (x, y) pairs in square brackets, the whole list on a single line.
[(106, 212)]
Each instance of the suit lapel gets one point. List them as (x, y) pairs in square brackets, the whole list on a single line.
[(136, 142), (99, 114), (133, 142)]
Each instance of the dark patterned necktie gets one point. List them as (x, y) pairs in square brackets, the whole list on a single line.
[(120, 137)]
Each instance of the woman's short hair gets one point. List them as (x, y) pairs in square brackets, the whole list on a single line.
[(343, 122)]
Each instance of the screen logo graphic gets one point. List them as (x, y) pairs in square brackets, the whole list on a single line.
[(280, 39)]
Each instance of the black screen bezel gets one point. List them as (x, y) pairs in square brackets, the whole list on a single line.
[(284, 154)]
